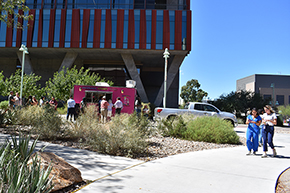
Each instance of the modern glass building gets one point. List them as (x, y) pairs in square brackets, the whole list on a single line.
[(119, 39)]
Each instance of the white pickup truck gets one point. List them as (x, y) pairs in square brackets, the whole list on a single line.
[(195, 108)]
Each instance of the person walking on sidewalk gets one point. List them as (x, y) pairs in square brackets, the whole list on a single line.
[(269, 120), (262, 127), (253, 130)]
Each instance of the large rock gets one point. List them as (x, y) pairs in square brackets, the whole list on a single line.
[(62, 172), (283, 182)]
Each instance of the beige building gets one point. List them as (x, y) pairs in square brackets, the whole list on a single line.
[(269, 86)]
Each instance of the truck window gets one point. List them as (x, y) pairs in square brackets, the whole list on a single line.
[(198, 107), (209, 108)]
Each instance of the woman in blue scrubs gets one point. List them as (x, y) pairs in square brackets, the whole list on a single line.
[(253, 121)]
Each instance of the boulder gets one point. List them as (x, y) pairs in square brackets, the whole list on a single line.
[(283, 182), (63, 173)]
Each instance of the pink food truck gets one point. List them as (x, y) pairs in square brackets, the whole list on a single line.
[(92, 94)]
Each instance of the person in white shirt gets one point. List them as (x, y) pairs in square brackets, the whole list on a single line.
[(17, 100), (118, 105), (41, 101), (269, 120), (71, 108), (262, 127), (110, 108)]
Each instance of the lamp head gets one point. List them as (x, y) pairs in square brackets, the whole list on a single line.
[(166, 53), (23, 48)]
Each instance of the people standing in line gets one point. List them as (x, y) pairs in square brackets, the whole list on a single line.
[(71, 109), (110, 109), (30, 101), (99, 107), (53, 103), (83, 105), (17, 100), (269, 120), (34, 101), (104, 109), (138, 105), (11, 100), (253, 130), (118, 105), (41, 101), (262, 127)]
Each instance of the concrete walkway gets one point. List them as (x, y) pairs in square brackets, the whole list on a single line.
[(218, 170)]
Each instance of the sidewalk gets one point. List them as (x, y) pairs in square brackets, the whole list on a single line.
[(218, 170)]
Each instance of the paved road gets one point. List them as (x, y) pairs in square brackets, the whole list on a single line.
[(218, 170)]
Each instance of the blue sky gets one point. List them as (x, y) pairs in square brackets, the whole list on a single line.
[(233, 39)]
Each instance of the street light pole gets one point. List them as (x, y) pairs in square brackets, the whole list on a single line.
[(166, 56), (23, 49)]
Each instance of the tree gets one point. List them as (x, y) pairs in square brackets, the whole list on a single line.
[(240, 102), (13, 83), (284, 111), (62, 83), (10, 16), (191, 91)]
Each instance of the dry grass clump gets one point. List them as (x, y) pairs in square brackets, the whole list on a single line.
[(45, 122), (123, 135)]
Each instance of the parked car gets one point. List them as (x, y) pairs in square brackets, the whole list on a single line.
[(195, 108)]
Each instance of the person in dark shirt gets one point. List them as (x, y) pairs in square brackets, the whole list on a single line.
[(11, 100)]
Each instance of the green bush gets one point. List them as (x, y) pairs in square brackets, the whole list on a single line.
[(207, 129), (62, 110), (174, 126), (16, 174), (211, 129), (4, 105), (45, 122)]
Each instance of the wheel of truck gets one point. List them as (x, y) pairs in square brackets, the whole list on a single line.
[(171, 117), (232, 122)]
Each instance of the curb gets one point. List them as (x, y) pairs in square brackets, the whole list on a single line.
[(111, 174)]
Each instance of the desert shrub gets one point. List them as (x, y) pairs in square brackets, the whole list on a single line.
[(62, 110), (8, 117), (16, 174), (85, 125), (120, 136), (141, 123), (45, 122), (174, 126), (211, 129)]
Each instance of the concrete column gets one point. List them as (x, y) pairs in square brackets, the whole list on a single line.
[(172, 71), (68, 60), (131, 67), (27, 65)]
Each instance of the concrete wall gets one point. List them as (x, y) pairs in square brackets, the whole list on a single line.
[(8, 66), (242, 83)]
